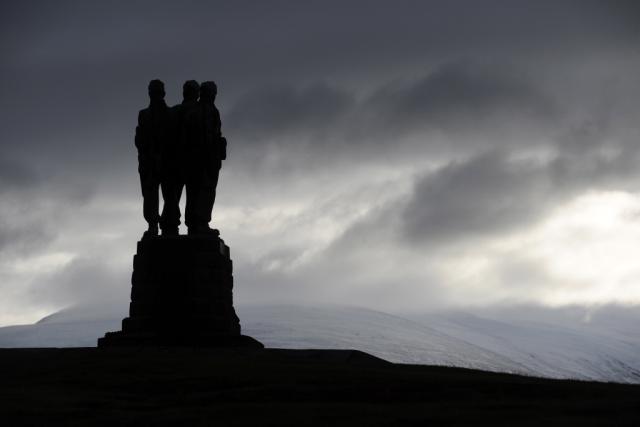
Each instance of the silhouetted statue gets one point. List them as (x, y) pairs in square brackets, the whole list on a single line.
[(182, 286), (174, 160), (151, 137), (205, 149)]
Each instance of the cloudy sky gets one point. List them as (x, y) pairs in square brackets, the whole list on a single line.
[(403, 156)]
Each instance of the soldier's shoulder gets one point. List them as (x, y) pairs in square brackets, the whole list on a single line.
[(144, 113)]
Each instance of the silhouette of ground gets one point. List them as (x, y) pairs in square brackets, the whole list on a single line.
[(181, 386)]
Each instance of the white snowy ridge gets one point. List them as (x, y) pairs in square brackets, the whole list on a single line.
[(557, 347)]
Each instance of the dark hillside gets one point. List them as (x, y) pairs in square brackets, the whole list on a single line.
[(87, 386)]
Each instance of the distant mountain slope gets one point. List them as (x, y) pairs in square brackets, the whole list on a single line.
[(549, 349), (389, 337), (448, 339)]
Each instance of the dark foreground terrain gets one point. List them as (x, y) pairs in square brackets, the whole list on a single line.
[(88, 386)]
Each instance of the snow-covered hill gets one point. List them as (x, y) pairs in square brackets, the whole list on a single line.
[(551, 348)]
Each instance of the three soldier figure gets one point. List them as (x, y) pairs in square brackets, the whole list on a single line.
[(178, 147)]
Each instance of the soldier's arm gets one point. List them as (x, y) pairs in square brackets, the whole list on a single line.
[(139, 132), (222, 139), (218, 122)]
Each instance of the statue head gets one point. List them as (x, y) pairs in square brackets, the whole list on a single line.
[(190, 90), (208, 91), (156, 90)]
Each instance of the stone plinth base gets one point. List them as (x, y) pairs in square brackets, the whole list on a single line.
[(181, 294), (122, 339)]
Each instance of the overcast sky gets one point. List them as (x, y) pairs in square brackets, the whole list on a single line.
[(403, 156)]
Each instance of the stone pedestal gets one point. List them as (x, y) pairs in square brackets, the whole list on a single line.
[(181, 294)]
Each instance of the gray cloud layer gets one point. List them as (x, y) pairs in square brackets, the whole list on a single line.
[(419, 123)]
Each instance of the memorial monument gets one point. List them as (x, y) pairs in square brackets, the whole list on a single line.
[(182, 286)]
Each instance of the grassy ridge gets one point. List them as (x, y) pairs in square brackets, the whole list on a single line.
[(286, 387)]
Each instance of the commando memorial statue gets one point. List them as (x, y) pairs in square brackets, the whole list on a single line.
[(182, 286)]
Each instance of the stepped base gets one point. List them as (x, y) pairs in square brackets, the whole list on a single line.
[(121, 339), (181, 295)]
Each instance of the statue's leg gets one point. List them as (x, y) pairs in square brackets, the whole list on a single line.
[(178, 195), (190, 205), (208, 197), (170, 218), (151, 201), (150, 206), (201, 194)]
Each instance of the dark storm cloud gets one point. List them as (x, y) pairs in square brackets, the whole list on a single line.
[(83, 280), (32, 205), (75, 73), (464, 99), (15, 175), (486, 194), (32, 212), (456, 92), (269, 113), (463, 105), (329, 88), (492, 193), (24, 238)]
